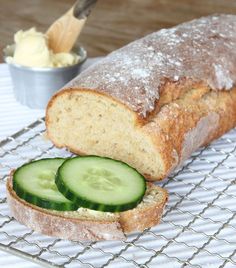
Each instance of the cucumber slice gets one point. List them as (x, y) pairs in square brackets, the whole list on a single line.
[(100, 183), (35, 183)]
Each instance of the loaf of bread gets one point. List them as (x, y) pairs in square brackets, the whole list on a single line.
[(86, 224), (154, 101)]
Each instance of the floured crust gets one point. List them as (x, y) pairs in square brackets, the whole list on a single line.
[(189, 123), (62, 225), (202, 50)]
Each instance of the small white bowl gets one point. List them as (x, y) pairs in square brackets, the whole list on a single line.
[(34, 86)]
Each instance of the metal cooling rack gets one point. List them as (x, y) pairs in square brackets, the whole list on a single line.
[(198, 228)]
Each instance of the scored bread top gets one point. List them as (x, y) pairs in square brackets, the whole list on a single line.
[(202, 50)]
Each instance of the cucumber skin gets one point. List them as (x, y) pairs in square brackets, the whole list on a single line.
[(85, 203), (40, 202)]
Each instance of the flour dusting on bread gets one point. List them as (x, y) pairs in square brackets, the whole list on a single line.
[(135, 73)]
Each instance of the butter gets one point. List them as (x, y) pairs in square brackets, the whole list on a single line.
[(94, 213), (31, 49)]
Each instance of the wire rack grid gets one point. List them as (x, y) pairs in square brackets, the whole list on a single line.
[(198, 228)]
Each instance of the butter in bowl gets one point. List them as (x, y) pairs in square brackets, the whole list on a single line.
[(40, 64), (37, 72)]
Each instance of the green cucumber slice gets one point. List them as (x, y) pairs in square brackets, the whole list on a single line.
[(35, 183), (100, 183)]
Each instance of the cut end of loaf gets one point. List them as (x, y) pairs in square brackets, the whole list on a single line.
[(87, 122)]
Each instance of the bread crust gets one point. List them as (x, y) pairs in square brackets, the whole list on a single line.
[(201, 50), (66, 227), (142, 218)]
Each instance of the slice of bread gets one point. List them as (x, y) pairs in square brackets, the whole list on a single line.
[(89, 225)]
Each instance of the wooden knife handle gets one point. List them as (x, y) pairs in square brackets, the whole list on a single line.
[(64, 32)]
